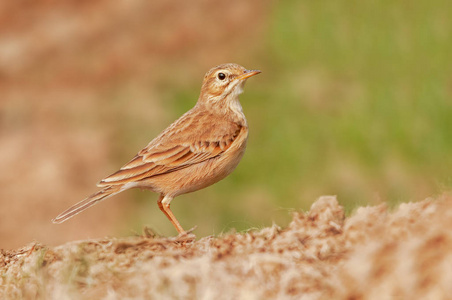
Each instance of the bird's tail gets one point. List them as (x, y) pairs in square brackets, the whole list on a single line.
[(87, 203)]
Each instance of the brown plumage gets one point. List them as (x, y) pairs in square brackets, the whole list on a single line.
[(197, 150)]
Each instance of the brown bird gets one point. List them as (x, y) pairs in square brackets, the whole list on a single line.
[(199, 149)]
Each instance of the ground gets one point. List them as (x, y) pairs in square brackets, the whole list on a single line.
[(375, 253)]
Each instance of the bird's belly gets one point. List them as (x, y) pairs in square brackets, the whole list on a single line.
[(195, 177)]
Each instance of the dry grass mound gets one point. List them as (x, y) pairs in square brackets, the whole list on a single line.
[(373, 254)]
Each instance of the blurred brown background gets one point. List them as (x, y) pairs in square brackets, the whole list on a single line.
[(84, 85), (353, 100)]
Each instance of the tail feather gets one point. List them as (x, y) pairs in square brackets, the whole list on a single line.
[(87, 203)]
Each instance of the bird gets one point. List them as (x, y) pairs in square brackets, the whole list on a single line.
[(199, 149)]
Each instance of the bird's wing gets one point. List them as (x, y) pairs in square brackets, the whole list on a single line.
[(188, 141)]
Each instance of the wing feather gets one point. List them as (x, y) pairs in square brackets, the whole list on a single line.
[(168, 154)]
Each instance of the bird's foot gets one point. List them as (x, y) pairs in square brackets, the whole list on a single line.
[(186, 236)]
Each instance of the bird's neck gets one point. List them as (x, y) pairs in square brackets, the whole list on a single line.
[(229, 109), (236, 111)]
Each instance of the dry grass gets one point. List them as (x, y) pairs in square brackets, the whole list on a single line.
[(373, 254)]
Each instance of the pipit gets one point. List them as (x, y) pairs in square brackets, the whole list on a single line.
[(199, 149)]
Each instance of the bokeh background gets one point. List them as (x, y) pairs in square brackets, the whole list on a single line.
[(354, 100)]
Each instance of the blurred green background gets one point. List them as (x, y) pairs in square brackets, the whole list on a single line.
[(354, 100)]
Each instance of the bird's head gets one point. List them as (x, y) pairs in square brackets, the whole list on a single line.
[(222, 84)]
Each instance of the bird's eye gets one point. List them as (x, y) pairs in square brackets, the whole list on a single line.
[(221, 76)]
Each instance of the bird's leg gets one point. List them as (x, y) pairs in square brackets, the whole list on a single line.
[(164, 205)]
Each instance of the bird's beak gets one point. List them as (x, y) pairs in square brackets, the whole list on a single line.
[(248, 74)]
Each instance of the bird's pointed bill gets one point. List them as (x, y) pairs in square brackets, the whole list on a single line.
[(248, 74)]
